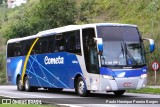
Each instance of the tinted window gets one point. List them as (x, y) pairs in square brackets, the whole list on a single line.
[(14, 49), (90, 50), (73, 42), (27, 45), (118, 33), (60, 42), (44, 45), (67, 41), (10, 50)]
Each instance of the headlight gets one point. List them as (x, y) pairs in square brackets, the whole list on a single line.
[(108, 77), (144, 76)]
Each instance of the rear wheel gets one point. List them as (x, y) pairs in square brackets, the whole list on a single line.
[(20, 86), (119, 93), (27, 86), (81, 88)]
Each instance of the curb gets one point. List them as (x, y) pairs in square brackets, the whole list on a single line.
[(153, 87)]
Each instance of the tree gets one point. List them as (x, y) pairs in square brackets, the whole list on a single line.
[(41, 15), (1, 1)]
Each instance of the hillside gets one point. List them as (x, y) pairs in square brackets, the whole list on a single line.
[(38, 15)]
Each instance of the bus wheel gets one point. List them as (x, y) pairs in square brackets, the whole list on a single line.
[(119, 93), (81, 88), (27, 86), (20, 86)]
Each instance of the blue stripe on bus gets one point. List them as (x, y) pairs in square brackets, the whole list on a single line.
[(125, 72)]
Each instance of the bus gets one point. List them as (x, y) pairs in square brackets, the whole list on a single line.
[(106, 57)]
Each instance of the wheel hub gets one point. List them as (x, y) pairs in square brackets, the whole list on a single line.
[(20, 84), (81, 87), (26, 85)]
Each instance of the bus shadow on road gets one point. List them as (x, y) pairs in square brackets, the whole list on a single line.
[(92, 94)]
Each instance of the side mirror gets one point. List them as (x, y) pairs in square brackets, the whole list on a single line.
[(99, 44), (152, 45)]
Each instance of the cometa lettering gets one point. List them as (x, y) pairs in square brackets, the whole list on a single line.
[(58, 60)]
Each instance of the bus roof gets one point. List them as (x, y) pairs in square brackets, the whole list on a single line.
[(21, 39), (66, 28), (75, 27)]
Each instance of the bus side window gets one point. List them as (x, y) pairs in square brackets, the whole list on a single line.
[(10, 50), (50, 43), (27, 45), (23, 47), (17, 49), (36, 48), (60, 43), (73, 42), (78, 43), (44, 45)]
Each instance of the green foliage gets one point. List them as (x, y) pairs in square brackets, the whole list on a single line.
[(55, 13), (85, 10), (2, 67), (1, 1), (37, 16), (146, 91), (3, 11)]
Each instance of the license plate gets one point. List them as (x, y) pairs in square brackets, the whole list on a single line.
[(127, 84)]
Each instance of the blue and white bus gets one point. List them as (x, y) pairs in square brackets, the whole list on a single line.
[(92, 57)]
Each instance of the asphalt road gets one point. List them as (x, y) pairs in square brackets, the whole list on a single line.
[(69, 98)]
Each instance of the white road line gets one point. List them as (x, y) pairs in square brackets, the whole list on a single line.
[(24, 95), (86, 105), (69, 105), (8, 96)]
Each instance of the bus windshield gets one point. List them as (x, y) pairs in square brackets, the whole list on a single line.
[(122, 46)]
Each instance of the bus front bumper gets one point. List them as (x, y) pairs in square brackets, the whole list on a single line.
[(122, 83)]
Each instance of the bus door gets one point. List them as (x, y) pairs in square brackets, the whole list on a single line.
[(91, 57), (90, 51)]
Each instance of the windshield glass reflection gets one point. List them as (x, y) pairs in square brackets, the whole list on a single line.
[(121, 46)]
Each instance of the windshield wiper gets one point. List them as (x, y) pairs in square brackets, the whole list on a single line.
[(122, 49), (129, 56)]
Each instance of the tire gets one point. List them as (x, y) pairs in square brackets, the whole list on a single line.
[(119, 93), (20, 86), (81, 88), (27, 86)]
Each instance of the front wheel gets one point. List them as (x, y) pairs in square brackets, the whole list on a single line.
[(119, 93), (81, 88)]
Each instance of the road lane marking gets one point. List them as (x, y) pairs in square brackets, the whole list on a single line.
[(28, 95), (69, 105)]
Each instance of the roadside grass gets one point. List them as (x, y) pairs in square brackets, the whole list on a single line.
[(146, 91), (151, 78)]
